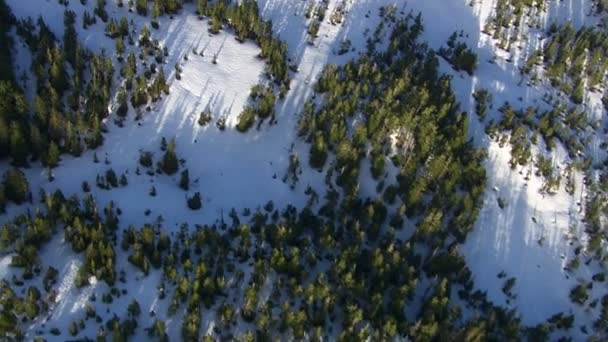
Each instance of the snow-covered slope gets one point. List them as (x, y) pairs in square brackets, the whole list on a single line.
[(531, 238)]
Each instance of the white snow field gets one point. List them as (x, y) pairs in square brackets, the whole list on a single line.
[(530, 239)]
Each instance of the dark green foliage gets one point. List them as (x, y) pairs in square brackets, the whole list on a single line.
[(111, 178), (184, 181), (204, 118), (170, 164), (579, 294), (459, 55), (123, 107), (158, 86), (318, 151), (246, 120), (140, 94), (483, 98), (145, 159), (50, 278), (7, 20), (52, 156), (100, 10), (194, 203), (148, 248), (262, 105), (63, 74), (16, 186), (142, 7), (70, 38), (572, 58)]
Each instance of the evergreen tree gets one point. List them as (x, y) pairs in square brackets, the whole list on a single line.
[(142, 7), (52, 156), (201, 7), (123, 107), (318, 151), (18, 145), (170, 164), (184, 182), (194, 203), (16, 186)]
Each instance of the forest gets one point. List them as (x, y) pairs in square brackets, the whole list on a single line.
[(347, 265)]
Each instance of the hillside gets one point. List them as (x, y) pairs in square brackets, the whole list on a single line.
[(317, 170)]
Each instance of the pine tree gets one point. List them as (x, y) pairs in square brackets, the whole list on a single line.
[(170, 164), (184, 182), (123, 107), (16, 187), (318, 151), (18, 145), (194, 203), (201, 7), (142, 7), (52, 156)]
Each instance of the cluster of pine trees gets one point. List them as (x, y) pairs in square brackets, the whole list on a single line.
[(72, 92), (459, 55), (84, 227), (509, 19), (574, 59), (315, 11), (397, 94), (522, 128), (262, 104)]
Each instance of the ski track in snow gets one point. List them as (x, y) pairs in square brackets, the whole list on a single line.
[(236, 170)]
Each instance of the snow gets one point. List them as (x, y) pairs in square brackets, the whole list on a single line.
[(230, 169), (508, 239), (236, 170)]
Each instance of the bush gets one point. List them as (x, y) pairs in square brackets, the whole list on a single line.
[(111, 178), (579, 294), (459, 55), (145, 159), (184, 182), (16, 186), (204, 118), (246, 120), (318, 152), (194, 203), (170, 164)]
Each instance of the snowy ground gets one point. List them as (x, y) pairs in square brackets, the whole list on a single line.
[(503, 239), (236, 170), (508, 239)]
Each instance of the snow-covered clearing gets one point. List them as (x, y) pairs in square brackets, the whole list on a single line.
[(230, 169)]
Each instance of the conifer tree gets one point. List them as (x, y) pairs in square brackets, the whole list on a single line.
[(52, 156), (16, 187), (170, 164), (184, 182)]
